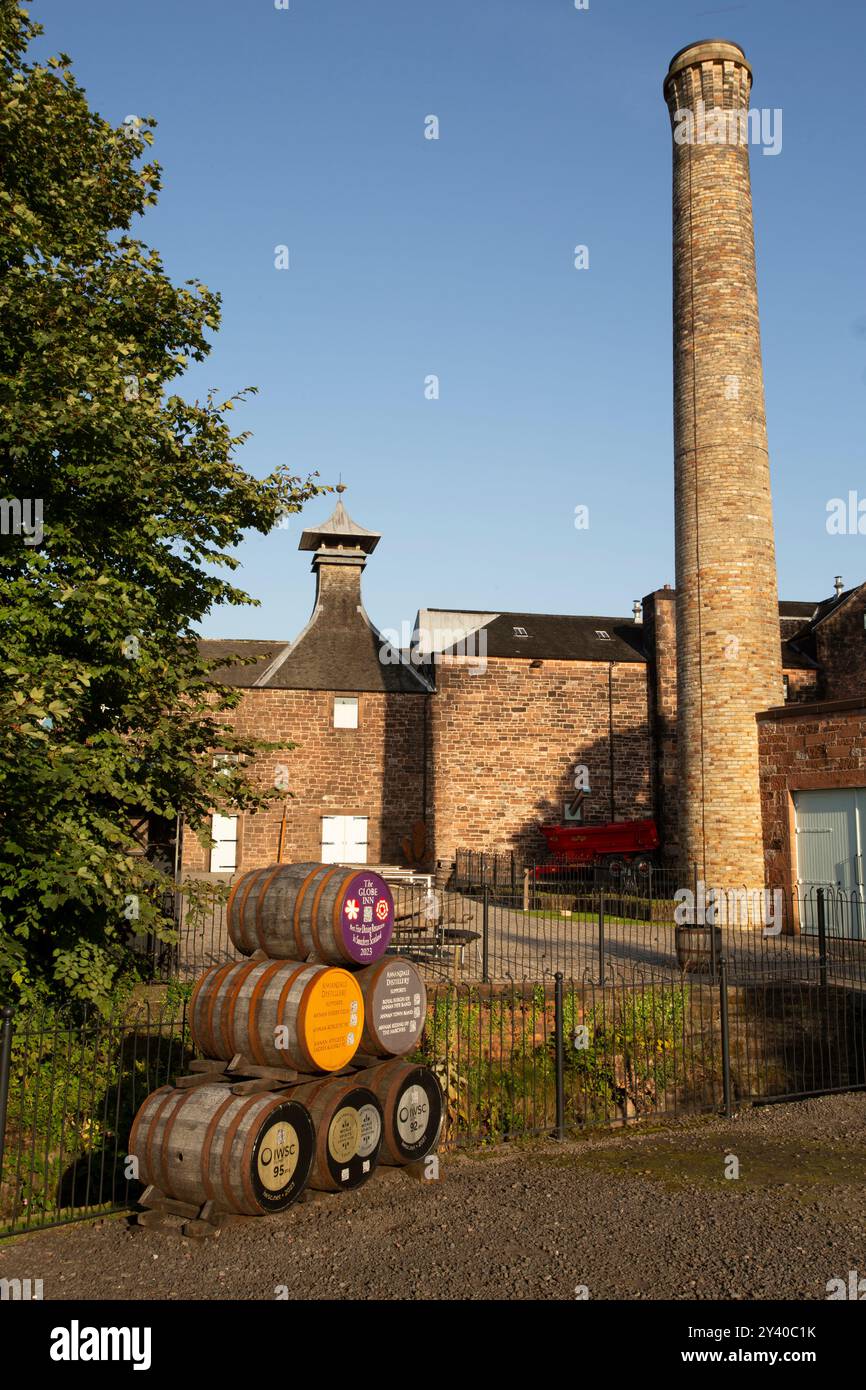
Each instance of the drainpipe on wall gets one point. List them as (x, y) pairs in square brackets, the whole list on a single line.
[(610, 736)]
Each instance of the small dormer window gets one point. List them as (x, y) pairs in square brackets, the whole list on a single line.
[(602, 635), (520, 632)]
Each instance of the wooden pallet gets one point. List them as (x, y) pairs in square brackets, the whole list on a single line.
[(171, 1217), (246, 1078)]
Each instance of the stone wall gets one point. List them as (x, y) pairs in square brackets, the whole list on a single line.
[(376, 770), (841, 650), (802, 748), (504, 744)]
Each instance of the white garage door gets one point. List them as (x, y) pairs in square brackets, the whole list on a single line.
[(224, 854), (344, 839), (830, 831)]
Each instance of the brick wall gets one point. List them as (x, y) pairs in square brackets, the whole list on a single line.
[(804, 686), (841, 650), (375, 770), (504, 745), (806, 748), (727, 607)]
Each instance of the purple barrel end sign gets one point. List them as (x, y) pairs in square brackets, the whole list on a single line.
[(367, 919)]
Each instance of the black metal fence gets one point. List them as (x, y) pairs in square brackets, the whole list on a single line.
[(69, 1089), (519, 1059), (551, 1007)]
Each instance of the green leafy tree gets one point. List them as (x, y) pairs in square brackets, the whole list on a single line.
[(120, 503)]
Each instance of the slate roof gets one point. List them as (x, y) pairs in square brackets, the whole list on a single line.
[(554, 636), (234, 655), (346, 654), (339, 526)]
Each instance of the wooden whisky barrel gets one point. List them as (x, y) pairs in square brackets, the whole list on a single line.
[(695, 948), (292, 911), (395, 1007), (278, 1013), (348, 1123), (247, 1154), (413, 1108)]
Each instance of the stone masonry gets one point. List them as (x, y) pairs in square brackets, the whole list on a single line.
[(727, 615), (504, 746)]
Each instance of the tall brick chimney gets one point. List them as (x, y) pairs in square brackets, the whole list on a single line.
[(728, 645)]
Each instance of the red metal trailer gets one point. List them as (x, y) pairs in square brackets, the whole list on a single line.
[(613, 844)]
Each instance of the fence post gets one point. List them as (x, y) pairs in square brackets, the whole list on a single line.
[(601, 937), (5, 1068), (485, 928), (726, 1036), (559, 1042), (822, 938)]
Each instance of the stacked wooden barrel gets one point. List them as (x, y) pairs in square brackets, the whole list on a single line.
[(323, 1015)]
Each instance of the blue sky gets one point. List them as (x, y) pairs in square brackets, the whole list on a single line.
[(411, 257)]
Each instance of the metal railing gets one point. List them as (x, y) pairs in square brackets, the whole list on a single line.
[(523, 1058)]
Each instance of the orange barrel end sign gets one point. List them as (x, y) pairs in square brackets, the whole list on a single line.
[(413, 1108), (247, 1154), (292, 911), (395, 1007), (348, 1123), (278, 1013)]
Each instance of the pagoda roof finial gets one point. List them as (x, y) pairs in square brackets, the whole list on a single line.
[(339, 531)]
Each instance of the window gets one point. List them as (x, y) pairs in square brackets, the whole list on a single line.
[(520, 632), (785, 687), (222, 762), (345, 711), (602, 635)]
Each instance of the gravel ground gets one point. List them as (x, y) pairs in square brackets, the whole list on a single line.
[(645, 1214)]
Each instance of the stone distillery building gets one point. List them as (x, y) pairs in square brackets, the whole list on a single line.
[(737, 722)]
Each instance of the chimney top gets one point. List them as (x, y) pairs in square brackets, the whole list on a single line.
[(838, 586), (707, 51)]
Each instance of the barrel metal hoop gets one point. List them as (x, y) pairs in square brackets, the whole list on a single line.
[(301, 1025), (284, 994), (169, 1126), (193, 998), (207, 1145), (220, 973), (226, 1157), (228, 1012), (317, 898), (299, 900), (232, 895), (338, 902), (260, 903), (255, 999), (136, 1124), (246, 1156), (148, 1148), (389, 1100), (253, 877)]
